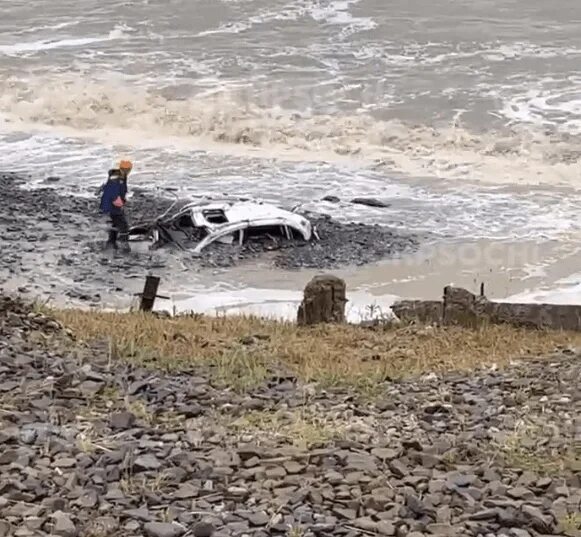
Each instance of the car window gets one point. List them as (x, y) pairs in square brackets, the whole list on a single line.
[(262, 232), (230, 238), (215, 216)]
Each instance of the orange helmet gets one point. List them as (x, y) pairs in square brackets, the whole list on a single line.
[(125, 165)]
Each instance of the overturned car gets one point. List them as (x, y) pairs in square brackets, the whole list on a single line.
[(195, 225)]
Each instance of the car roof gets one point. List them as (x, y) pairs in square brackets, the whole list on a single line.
[(242, 211)]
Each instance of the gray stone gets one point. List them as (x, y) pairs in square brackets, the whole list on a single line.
[(343, 512), (88, 499), (365, 523), (520, 493), (384, 527), (140, 514), (445, 530), (293, 467), (275, 472), (385, 454), (527, 479), (517, 532), (105, 525), (147, 462), (398, 468), (258, 519), (186, 491), (9, 456), (63, 525), (163, 529), (462, 480)]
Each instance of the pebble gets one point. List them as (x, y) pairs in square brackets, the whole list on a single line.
[(163, 529)]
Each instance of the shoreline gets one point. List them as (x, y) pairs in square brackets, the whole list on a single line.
[(53, 246)]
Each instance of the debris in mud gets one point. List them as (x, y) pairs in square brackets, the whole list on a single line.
[(53, 244), (370, 202)]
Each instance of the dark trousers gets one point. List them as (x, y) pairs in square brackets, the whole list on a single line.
[(120, 228)]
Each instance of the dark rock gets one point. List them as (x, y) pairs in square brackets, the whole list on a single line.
[(203, 529), (323, 301), (536, 518), (398, 468), (331, 199), (122, 420), (370, 202)]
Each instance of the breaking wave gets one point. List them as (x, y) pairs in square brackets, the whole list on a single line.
[(43, 46), (528, 155)]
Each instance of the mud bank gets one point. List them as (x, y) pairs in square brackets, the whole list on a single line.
[(52, 240)]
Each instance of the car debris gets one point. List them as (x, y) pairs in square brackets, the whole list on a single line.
[(197, 224)]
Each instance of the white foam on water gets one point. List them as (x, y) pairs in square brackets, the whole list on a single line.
[(334, 12), (230, 122), (564, 291), (549, 102), (41, 28), (276, 304), (289, 12), (337, 13)]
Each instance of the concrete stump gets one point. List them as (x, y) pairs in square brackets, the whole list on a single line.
[(324, 300)]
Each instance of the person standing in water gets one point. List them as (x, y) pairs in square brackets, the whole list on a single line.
[(113, 199)]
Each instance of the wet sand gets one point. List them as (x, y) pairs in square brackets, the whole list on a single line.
[(505, 268)]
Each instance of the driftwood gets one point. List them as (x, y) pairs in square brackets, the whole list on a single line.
[(463, 308), (323, 301)]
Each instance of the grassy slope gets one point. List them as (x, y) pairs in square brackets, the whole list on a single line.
[(243, 351)]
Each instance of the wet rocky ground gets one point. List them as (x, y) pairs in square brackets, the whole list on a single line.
[(53, 240), (93, 447)]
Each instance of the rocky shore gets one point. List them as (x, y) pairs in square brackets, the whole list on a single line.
[(93, 446), (52, 240)]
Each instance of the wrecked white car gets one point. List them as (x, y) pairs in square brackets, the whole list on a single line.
[(196, 225)]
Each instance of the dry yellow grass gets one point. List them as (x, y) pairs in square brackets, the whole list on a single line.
[(243, 350), (299, 427)]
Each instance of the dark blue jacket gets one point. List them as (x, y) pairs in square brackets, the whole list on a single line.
[(112, 190), (124, 189)]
